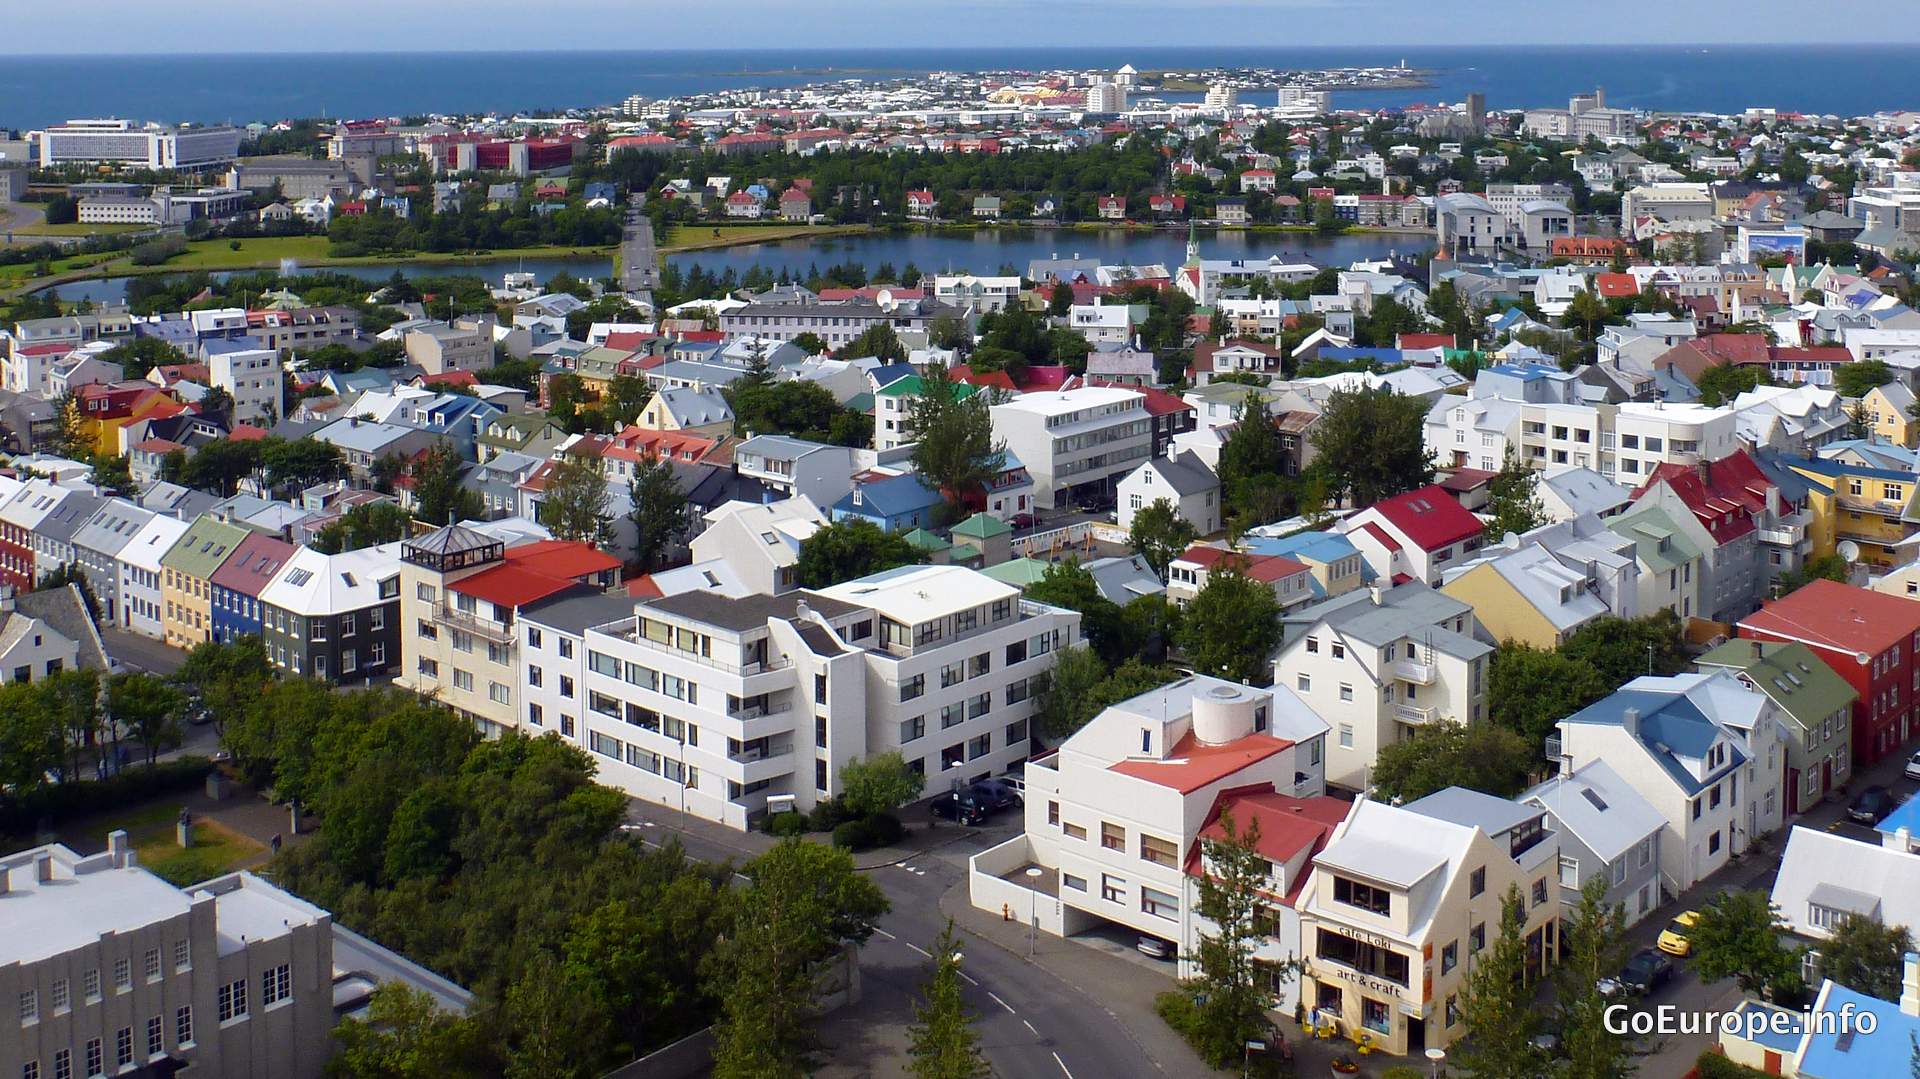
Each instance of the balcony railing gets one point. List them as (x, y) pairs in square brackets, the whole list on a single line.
[(624, 630), (1411, 670), (1413, 713), (760, 711), (473, 623)]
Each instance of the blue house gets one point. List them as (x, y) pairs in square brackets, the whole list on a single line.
[(236, 585), (896, 504), (600, 189)]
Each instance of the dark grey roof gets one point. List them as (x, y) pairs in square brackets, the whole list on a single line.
[(65, 610), (1187, 474), (745, 612), (452, 539), (819, 641), (572, 612)]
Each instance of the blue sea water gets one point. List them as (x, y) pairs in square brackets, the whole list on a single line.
[(37, 90)]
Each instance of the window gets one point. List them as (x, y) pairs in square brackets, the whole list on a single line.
[(497, 693), (182, 955), (1713, 843), (1477, 883), (152, 965), (1073, 831), (1339, 650), (96, 1057), (183, 1026), (122, 974), (1159, 904), (233, 1001), (911, 729), (63, 1064), (1346, 736), (1365, 896), (30, 998), (979, 746), (156, 1036), (1158, 851), (1303, 683), (1078, 884), (1477, 938), (1569, 872), (1540, 889), (90, 986), (1053, 813), (1113, 889), (535, 677), (276, 985), (566, 681), (1016, 733), (1346, 691), (123, 1047), (913, 687), (1016, 652), (1313, 645), (30, 1070), (533, 637), (1449, 956), (463, 680)]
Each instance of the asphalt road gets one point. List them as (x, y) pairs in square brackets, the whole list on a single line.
[(142, 653), (1031, 1024)]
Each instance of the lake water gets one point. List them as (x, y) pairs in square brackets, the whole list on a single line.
[(983, 251)]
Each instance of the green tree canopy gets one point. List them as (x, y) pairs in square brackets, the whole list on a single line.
[(1479, 756), (1859, 378), (1496, 1004), (944, 1044), (1513, 498), (1529, 690), (577, 503), (659, 512), (954, 447), (1159, 534), (881, 783), (1722, 382), (1737, 937), (850, 549), (1866, 955), (1372, 444), (1232, 626)]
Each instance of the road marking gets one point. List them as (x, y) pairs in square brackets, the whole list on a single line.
[(918, 948), (1063, 1066), (1029, 1025), (970, 979), (884, 933), (1002, 1003)]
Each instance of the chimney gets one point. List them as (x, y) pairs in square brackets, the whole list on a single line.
[(43, 867), (6, 881), (1701, 468), (1910, 984), (1630, 719), (1759, 652), (117, 847), (1377, 592)]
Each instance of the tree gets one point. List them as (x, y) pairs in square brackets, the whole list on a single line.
[(1735, 937), (300, 462), (364, 525), (1159, 535), (804, 904), (406, 1035), (1069, 585), (577, 502), (1859, 378), (1830, 567), (1865, 955), (227, 675), (1622, 649), (849, 549), (215, 402), (1592, 947), (1588, 312), (881, 783), (626, 395), (809, 343), (1372, 444), (1230, 991), (1513, 498), (954, 447), (1232, 626), (555, 1026), (218, 467), (149, 707), (143, 354), (438, 497), (1068, 701), (877, 340), (1060, 301), (659, 513), (944, 1045), (1532, 689), (32, 743), (1722, 382), (1249, 465), (1478, 756), (1495, 1006)]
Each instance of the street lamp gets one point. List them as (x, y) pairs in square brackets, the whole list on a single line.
[(1034, 873), (1438, 1058)]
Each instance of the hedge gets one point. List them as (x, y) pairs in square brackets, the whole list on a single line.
[(59, 802)]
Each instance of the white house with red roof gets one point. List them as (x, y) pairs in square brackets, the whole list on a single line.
[(1413, 536), (1115, 816), (1257, 180), (1112, 208), (1290, 579), (741, 204), (921, 203)]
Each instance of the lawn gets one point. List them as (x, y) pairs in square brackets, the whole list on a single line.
[(75, 228), (698, 237), (311, 251), (216, 848)]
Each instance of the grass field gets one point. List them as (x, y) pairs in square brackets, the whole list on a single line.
[(311, 251), (704, 237), (216, 849), (76, 229)]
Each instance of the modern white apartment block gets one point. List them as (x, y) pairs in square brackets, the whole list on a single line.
[(1378, 663), (120, 142), (116, 971), (984, 294), (1078, 441), (1648, 435), (1115, 816), (721, 706), (250, 374)]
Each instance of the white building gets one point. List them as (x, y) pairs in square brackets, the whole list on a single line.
[(1183, 480), (116, 971), (1075, 441), (984, 294), (1115, 817), (121, 142), (1377, 663), (722, 706), (760, 543), (141, 606), (250, 374)]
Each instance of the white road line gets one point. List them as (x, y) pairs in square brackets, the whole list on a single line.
[(884, 933), (1063, 1066), (918, 948), (1029, 1025), (1002, 1003), (970, 979)]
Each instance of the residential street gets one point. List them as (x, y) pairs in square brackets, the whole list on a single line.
[(142, 653)]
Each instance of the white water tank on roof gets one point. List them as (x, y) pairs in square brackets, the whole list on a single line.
[(1222, 713)]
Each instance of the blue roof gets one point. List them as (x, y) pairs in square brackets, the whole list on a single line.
[(1671, 726), (1763, 1027), (172, 329), (1350, 354), (1906, 816), (1793, 486), (1835, 1053), (889, 372), (222, 346), (892, 497), (1318, 546), (1526, 371), (1841, 468)]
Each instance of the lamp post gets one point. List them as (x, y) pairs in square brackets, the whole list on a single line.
[(1034, 873)]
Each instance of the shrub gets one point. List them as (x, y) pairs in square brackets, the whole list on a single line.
[(155, 252), (1712, 1065), (1403, 1071), (885, 829), (137, 783), (829, 815), (853, 835), (786, 824)]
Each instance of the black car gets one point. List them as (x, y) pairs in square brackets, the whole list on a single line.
[(994, 795), (1872, 804), (959, 807), (1646, 971)]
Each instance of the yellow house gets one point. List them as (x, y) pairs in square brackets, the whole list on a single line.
[(1889, 409), (97, 413), (1527, 596), (186, 572), (1872, 508)]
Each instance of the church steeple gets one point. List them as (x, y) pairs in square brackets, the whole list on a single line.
[(1193, 245)]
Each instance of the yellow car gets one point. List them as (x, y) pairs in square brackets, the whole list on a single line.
[(1673, 939)]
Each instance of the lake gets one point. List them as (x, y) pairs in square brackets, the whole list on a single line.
[(983, 251)]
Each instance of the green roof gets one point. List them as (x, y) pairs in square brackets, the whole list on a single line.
[(1797, 680), (203, 547), (982, 526), (927, 541), (518, 428), (860, 402), (914, 386), (1646, 528), (1019, 572)]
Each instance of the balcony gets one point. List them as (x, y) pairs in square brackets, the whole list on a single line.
[(1412, 670), (1789, 534), (1415, 714), (472, 623), (760, 711), (624, 630)]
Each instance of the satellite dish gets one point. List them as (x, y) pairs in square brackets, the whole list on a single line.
[(1848, 550), (884, 300)]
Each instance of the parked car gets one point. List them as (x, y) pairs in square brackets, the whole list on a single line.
[(1913, 767), (954, 806), (1155, 947), (1646, 971), (1872, 804), (1023, 520), (994, 795), (1674, 938)]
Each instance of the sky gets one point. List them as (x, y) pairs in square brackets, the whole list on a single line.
[(216, 26)]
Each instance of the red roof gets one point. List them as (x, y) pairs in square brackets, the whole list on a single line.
[(1425, 340), (1837, 616), (1381, 534), (451, 378), (1288, 826), (1728, 495), (1612, 285), (51, 348), (246, 432), (1467, 479), (1430, 517), (1193, 764), (642, 587), (510, 585), (562, 558)]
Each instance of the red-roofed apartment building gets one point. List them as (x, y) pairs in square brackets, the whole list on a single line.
[(1727, 508), (1114, 818), (462, 591), (1414, 536), (1868, 638), (1291, 580)]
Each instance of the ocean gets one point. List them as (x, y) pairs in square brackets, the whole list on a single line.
[(38, 90)]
